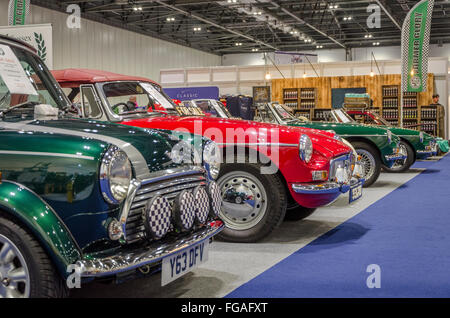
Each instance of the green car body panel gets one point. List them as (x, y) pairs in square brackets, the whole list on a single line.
[(62, 170), (414, 139), (357, 132), (23, 204)]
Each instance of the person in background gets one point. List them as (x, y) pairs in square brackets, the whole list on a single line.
[(440, 115), (132, 103)]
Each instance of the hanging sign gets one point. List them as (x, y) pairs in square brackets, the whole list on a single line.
[(40, 36), (18, 12), (416, 47)]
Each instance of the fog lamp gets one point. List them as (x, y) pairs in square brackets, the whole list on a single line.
[(320, 175)]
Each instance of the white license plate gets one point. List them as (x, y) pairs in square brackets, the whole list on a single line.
[(356, 192), (175, 266)]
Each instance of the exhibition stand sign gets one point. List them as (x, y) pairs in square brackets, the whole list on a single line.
[(40, 36), (190, 93), (416, 47)]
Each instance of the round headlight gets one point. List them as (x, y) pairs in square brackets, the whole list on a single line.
[(115, 175), (212, 159), (389, 135), (305, 148)]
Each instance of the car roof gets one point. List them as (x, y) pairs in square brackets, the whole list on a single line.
[(74, 77), (10, 40)]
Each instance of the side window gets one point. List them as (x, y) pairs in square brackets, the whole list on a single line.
[(89, 102)]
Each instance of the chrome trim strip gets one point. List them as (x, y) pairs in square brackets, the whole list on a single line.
[(395, 157), (45, 154), (134, 186), (173, 173), (130, 260), (324, 188)]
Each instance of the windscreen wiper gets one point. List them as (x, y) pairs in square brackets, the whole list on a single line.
[(26, 104)]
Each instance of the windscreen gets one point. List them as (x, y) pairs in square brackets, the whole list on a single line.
[(25, 80)]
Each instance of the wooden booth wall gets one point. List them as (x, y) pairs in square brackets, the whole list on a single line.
[(324, 85)]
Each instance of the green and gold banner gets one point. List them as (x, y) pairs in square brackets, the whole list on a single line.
[(416, 47), (18, 12)]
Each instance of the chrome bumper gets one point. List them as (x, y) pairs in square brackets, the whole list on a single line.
[(395, 157), (132, 259), (325, 188)]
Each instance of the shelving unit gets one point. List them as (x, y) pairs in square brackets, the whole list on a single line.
[(308, 98), (291, 98), (302, 100), (390, 104), (320, 114), (429, 119)]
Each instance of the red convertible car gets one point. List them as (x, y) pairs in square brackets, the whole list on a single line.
[(267, 172)]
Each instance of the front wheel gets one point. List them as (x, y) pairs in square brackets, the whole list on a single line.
[(25, 269), (370, 162), (402, 165), (254, 203)]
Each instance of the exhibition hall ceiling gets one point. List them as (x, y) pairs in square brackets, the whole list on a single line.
[(246, 26)]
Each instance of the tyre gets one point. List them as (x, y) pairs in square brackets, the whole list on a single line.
[(254, 203), (25, 269), (370, 161), (404, 164), (296, 212)]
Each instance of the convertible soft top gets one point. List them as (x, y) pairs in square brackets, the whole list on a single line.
[(74, 77)]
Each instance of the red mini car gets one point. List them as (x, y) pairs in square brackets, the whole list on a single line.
[(268, 172)]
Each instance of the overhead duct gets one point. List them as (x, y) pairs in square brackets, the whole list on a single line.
[(249, 7)]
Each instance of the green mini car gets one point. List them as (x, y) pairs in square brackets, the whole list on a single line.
[(82, 200)]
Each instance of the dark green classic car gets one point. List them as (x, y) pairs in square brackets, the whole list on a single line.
[(417, 144), (377, 146), (81, 200)]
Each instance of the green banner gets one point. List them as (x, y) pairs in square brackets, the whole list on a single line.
[(416, 47), (18, 12)]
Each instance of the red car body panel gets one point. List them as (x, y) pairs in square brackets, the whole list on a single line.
[(286, 157)]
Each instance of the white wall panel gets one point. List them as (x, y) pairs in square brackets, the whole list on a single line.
[(100, 46)]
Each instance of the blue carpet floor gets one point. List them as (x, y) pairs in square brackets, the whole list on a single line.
[(407, 234)]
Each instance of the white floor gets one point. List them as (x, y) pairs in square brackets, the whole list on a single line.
[(231, 265)]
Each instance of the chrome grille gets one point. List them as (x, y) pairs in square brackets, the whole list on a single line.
[(346, 161), (169, 188)]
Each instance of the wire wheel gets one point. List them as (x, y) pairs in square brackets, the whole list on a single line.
[(245, 200), (14, 274), (368, 163)]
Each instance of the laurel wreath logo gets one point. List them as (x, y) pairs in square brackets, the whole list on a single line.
[(42, 48)]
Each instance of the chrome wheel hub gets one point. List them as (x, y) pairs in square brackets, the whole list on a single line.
[(401, 162), (245, 200), (368, 163), (14, 275)]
